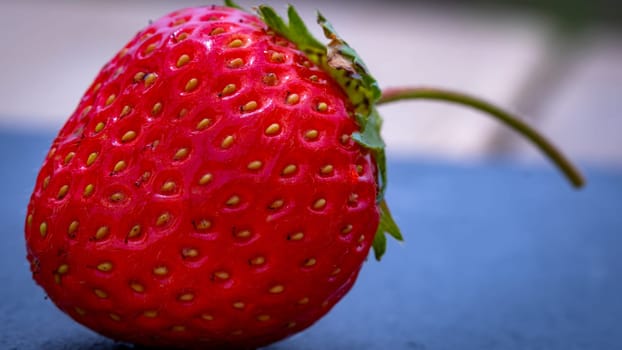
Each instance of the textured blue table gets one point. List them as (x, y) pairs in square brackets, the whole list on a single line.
[(496, 257)]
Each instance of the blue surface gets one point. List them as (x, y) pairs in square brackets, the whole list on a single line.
[(496, 257)]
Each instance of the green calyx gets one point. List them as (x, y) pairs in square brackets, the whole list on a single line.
[(232, 4), (346, 67)]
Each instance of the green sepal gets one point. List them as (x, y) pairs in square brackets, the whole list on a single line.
[(388, 226), (387, 223), (295, 31), (379, 245), (349, 70), (370, 138), (232, 4)]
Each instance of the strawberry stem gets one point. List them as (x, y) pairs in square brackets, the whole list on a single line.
[(412, 93)]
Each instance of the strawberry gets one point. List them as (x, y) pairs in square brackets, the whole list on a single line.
[(207, 188), (219, 184)]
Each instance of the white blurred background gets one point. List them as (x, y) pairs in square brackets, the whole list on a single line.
[(559, 65)]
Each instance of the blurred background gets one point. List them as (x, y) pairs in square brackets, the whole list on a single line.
[(557, 63)]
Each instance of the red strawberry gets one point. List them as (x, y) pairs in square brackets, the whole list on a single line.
[(207, 189), (218, 185)]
